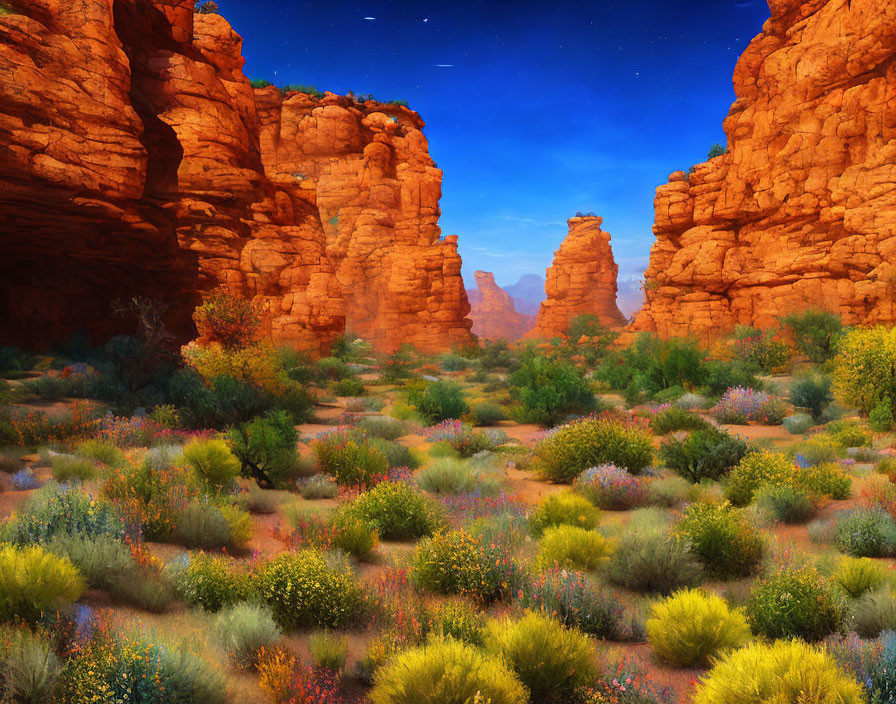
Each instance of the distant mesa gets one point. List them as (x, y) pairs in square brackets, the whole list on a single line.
[(138, 160), (494, 315), (581, 281), (801, 210)]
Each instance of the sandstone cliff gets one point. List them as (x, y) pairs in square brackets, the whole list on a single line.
[(136, 159), (801, 211), (581, 281), (493, 312)]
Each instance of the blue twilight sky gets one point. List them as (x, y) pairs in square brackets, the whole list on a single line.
[(534, 110)]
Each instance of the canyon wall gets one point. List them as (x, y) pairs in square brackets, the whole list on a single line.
[(494, 312), (801, 210), (581, 281), (136, 159)]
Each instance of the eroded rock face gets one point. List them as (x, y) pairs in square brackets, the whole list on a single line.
[(136, 159), (801, 211), (493, 312), (581, 281)]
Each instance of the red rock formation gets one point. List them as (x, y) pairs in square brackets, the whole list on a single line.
[(136, 159), (493, 312), (582, 280), (800, 211)]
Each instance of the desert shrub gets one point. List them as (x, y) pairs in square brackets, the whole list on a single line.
[(881, 419), (459, 619), (550, 389), (456, 562), (720, 536), (653, 561), (724, 375), (866, 532), (675, 418), (563, 509), (101, 451), (245, 631), (260, 501), (865, 369), (328, 650), (353, 534), (212, 461), (786, 504), (812, 393), (68, 467), (303, 590), (760, 469), (461, 437), (487, 414), (759, 348), (34, 581), (817, 449), (30, 667), (228, 319), (266, 448), (570, 450), (201, 525), (887, 467), (383, 427), (609, 487), (872, 663), (346, 455), (447, 475), (211, 583), (671, 491), (318, 486), (858, 575), (798, 423), (396, 454), (59, 510), (875, 612), (573, 548), (551, 660), (815, 333), (740, 405), (446, 671), (704, 454), (439, 400), (692, 626), (794, 603), (349, 386), (849, 432), (454, 363), (784, 672), (399, 511)]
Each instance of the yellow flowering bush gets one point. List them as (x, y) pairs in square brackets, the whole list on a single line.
[(865, 369), (255, 363)]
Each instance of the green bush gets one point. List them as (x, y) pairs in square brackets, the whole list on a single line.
[(798, 423), (396, 454), (875, 612), (674, 418), (244, 630), (653, 561), (101, 451), (454, 363), (723, 539), (68, 467), (865, 369), (29, 667), (866, 532), (563, 509), (881, 419), (384, 427), (439, 400), (266, 448), (709, 453), (721, 376), (347, 456), (201, 525), (487, 414), (760, 348), (783, 672), (303, 590), (446, 671), (794, 603), (786, 504), (328, 650), (858, 575), (691, 627), (552, 661), (211, 583), (812, 393), (571, 547), (212, 461), (849, 432), (573, 448), (459, 619), (550, 390), (34, 581), (318, 486), (353, 534), (816, 333), (348, 387), (456, 562), (398, 510), (447, 475), (761, 469), (671, 491)]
